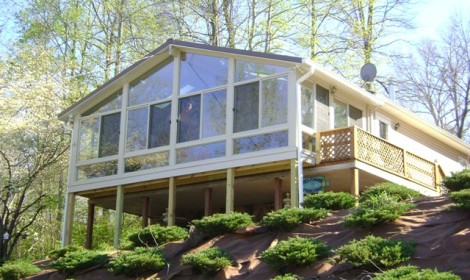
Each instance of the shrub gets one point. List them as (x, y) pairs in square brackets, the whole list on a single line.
[(294, 252), (136, 263), (461, 198), (17, 270), (219, 224), (330, 200), (289, 218), (392, 189), (379, 209), (458, 180), (59, 253), (72, 262), (376, 251), (208, 261), (414, 273), (288, 276), (156, 235)]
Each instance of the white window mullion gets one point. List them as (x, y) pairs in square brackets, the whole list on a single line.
[(230, 105), (123, 128), (174, 107)]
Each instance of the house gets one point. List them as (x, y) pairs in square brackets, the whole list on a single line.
[(193, 129)]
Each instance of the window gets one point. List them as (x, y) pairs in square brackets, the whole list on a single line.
[(145, 162), (137, 128), (322, 107), (109, 135), (274, 101), (199, 72), (246, 107), (201, 152), (307, 106), (355, 116), (214, 110), (189, 118), (160, 120), (260, 142), (383, 130), (341, 114), (157, 84), (97, 170), (252, 70)]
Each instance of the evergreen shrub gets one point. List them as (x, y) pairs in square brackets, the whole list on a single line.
[(458, 180), (414, 273), (12, 270), (207, 261), (330, 200), (461, 198), (392, 189), (288, 218), (219, 224), (72, 262), (288, 276), (375, 251), (59, 253), (155, 235), (138, 262)]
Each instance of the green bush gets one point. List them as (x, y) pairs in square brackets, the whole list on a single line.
[(72, 262), (154, 235), (219, 224), (288, 276), (294, 252), (458, 180), (461, 198), (289, 218), (59, 253), (17, 269), (136, 263), (392, 189), (379, 209), (207, 261), (330, 200), (414, 273), (376, 251)]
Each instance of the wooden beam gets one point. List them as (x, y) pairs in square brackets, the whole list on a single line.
[(207, 201), (89, 225), (118, 217), (277, 193), (294, 183), (171, 202), (230, 192), (355, 182), (68, 221), (145, 211)]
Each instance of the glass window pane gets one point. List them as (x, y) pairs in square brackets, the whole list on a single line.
[(146, 162), (274, 102), (199, 72), (322, 107), (246, 107), (114, 102), (189, 118), (89, 138), (307, 106), (97, 170), (251, 70), (109, 138), (213, 113), (160, 116), (260, 142), (137, 129), (355, 116), (156, 84), (207, 151), (383, 130), (341, 114)]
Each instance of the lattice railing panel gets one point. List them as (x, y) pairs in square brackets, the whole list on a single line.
[(420, 170), (379, 153), (336, 145)]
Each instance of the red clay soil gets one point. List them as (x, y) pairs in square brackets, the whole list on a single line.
[(442, 239)]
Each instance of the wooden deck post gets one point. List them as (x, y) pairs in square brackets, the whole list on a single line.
[(317, 147), (230, 191), (68, 219), (89, 225), (355, 182), (277, 193), (405, 164), (207, 201), (437, 177), (171, 202), (294, 183), (145, 211), (118, 216)]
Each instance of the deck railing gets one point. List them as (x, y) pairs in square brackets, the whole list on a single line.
[(350, 143)]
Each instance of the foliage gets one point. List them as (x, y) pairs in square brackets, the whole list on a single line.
[(288, 218), (136, 263), (330, 200), (220, 223), (288, 276), (375, 251), (294, 252), (74, 261), (410, 272), (379, 209), (157, 235), (59, 253), (392, 189), (461, 198), (17, 270), (207, 261), (458, 180)]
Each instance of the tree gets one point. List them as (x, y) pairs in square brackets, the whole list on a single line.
[(32, 141), (437, 80)]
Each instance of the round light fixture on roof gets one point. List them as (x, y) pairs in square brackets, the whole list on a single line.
[(368, 72)]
